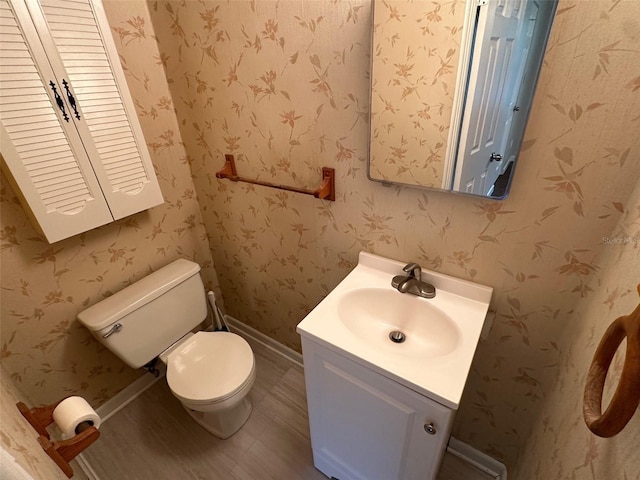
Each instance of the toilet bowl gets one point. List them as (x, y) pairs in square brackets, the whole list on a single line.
[(211, 373)]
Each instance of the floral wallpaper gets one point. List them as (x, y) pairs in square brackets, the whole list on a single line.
[(44, 350), (560, 445), (414, 65), (284, 86)]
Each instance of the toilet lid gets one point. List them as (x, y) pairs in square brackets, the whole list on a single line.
[(209, 367)]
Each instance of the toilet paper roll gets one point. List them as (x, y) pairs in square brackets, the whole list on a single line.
[(71, 413)]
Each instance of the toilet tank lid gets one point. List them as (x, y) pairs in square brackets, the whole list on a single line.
[(113, 308)]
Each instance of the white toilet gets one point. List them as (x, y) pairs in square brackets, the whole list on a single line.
[(211, 373)]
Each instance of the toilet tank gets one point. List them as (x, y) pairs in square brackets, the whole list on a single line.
[(153, 313)]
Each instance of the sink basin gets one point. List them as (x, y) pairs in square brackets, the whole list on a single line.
[(373, 314), (424, 344)]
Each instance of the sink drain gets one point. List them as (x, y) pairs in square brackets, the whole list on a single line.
[(397, 336)]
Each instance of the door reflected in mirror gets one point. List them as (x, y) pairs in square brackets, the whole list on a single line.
[(452, 86)]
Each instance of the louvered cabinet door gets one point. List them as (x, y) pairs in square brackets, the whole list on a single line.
[(43, 158), (78, 41)]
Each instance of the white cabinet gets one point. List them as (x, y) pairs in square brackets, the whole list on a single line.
[(365, 426), (70, 138)]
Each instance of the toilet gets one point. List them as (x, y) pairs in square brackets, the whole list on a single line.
[(211, 373)]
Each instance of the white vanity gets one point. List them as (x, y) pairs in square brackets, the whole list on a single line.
[(385, 371)]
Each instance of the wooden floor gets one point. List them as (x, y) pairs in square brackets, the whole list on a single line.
[(153, 437)]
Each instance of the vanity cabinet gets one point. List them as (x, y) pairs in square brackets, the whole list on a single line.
[(365, 426), (71, 143)]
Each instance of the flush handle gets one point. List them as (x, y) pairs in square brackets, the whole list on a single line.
[(115, 329), (429, 428)]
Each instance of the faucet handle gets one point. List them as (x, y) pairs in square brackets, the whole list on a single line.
[(413, 269)]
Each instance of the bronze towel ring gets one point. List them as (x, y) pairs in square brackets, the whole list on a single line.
[(627, 395)]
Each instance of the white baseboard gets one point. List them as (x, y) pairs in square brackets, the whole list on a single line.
[(474, 457), (270, 343), (465, 452), (127, 395), (86, 467), (133, 390), (114, 405)]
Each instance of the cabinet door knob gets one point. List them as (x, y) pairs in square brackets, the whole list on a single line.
[(429, 428)]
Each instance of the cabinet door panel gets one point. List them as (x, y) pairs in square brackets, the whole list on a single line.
[(43, 158), (365, 426), (66, 29)]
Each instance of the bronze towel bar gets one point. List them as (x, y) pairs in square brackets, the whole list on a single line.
[(326, 191)]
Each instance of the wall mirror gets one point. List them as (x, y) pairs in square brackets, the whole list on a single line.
[(452, 85)]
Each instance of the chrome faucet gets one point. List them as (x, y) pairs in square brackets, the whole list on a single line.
[(412, 283)]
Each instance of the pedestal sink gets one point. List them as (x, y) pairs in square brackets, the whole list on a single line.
[(385, 371)]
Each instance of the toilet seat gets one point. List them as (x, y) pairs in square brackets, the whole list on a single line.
[(210, 367)]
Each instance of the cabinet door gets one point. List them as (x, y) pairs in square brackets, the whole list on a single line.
[(43, 158), (76, 36), (367, 427)]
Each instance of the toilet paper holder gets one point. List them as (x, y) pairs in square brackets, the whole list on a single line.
[(61, 452)]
